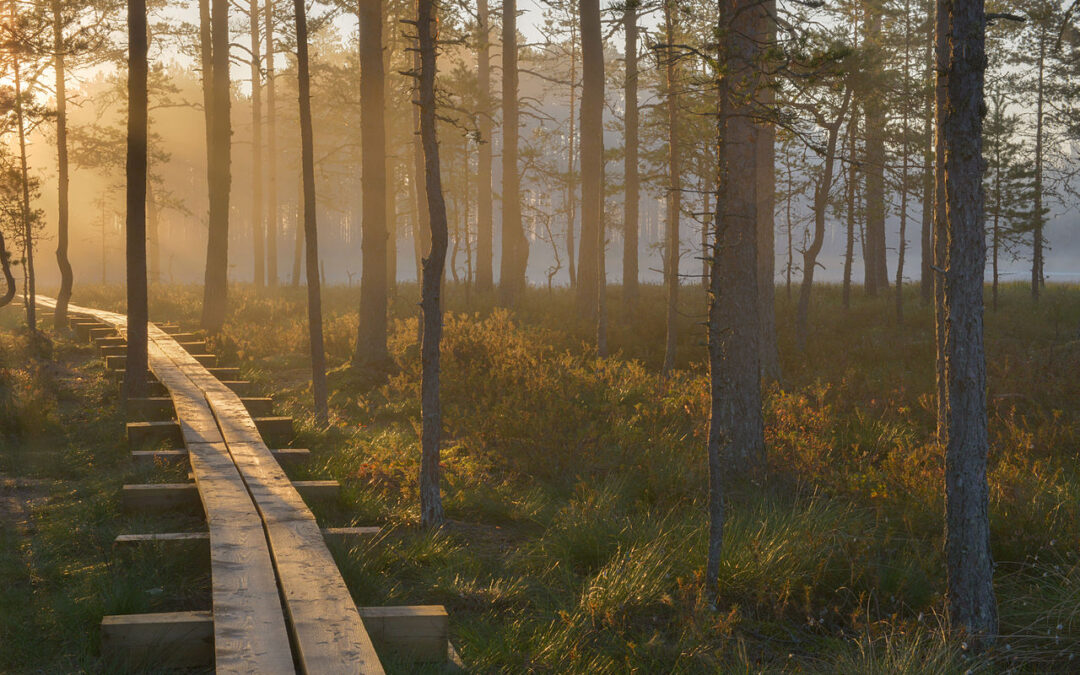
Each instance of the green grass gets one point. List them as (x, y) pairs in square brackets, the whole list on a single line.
[(576, 486)]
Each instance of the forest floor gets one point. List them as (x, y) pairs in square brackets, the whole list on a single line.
[(576, 487)]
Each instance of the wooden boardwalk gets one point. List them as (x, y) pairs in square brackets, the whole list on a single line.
[(280, 604)]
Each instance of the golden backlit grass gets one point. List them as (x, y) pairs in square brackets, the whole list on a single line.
[(576, 485)]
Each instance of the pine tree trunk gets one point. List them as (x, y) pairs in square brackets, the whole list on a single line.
[(674, 193), (63, 296), (630, 166), (592, 150), (876, 271), (515, 247), (485, 273), (311, 232), (215, 287), (27, 225), (371, 350), (422, 225), (135, 378), (766, 209), (153, 233), (926, 277), (571, 158), (941, 55), (821, 206), (273, 221), (1037, 187), (972, 606), (736, 434), (431, 509), (258, 225), (852, 181)]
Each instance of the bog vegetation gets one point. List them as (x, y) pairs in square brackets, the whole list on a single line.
[(575, 488)]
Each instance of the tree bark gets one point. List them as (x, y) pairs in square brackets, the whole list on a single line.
[(371, 350), (153, 232), (311, 232), (674, 194), (821, 206), (485, 273), (1037, 187), (876, 274), (571, 158), (258, 225), (29, 290), (592, 151), (852, 180), (766, 209), (135, 377), (926, 278), (63, 296), (515, 247), (736, 432), (431, 509), (216, 285), (969, 565), (273, 220), (630, 166), (941, 56)]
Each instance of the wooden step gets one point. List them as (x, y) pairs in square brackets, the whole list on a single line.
[(126, 544), (157, 408), (113, 350), (195, 346), (225, 373), (418, 634), (100, 333), (284, 456), (208, 360), (82, 330), (274, 430), (239, 387), (158, 497), (153, 641), (154, 433), (111, 342)]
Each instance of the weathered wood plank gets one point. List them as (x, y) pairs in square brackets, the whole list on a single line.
[(162, 640), (418, 633), (284, 456), (330, 635)]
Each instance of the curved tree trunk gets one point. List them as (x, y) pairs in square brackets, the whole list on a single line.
[(431, 509), (63, 296)]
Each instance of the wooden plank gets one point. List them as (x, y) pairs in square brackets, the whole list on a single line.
[(152, 433), (129, 543), (350, 536), (208, 360), (238, 387), (418, 633), (225, 373), (330, 635), (153, 641), (153, 408), (275, 430), (262, 406), (284, 456), (160, 497)]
